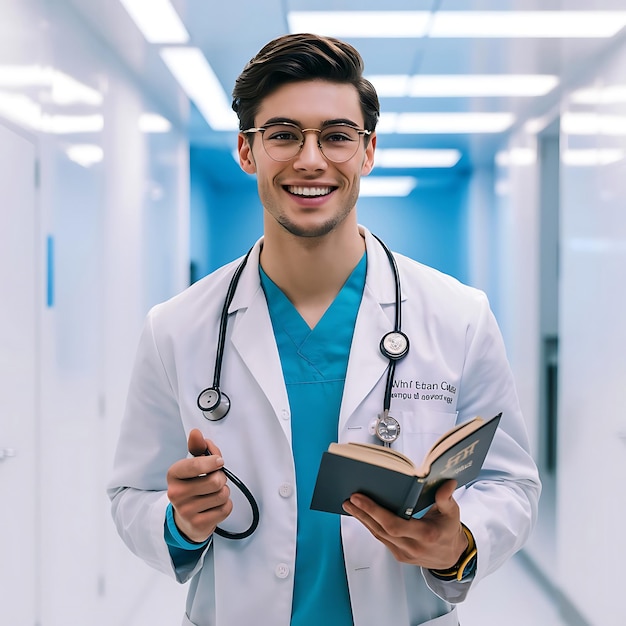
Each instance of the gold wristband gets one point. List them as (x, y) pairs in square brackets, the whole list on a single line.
[(458, 569)]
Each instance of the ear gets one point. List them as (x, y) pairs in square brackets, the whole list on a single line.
[(368, 161), (246, 159)]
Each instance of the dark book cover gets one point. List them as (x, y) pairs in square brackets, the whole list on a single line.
[(404, 494)]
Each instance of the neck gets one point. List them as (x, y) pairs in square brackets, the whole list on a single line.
[(312, 271)]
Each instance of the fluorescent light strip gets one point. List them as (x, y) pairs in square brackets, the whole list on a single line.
[(463, 86), (71, 124), (539, 24), (444, 123), (198, 80), (380, 186), (593, 124), (460, 24), (360, 23), (157, 20), (610, 94), (391, 157), (85, 155), (23, 111), (592, 157), (64, 89), (153, 123), (516, 157)]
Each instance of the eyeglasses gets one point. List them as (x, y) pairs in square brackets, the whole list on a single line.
[(282, 142)]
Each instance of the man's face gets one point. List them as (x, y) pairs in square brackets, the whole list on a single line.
[(308, 195)]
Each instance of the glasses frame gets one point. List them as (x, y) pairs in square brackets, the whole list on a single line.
[(362, 132)]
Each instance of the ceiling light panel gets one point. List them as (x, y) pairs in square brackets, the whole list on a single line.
[(609, 94), (62, 88), (593, 124), (592, 157), (459, 24), (445, 123), (157, 20), (380, 186), (360, 23), (533, 24), (463, 86), (85, 155), (153, 123), (198, 80), (391, 157)]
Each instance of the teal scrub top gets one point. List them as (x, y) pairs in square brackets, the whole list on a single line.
[(314, 363)]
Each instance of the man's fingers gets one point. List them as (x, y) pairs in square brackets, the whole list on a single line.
[(200, 466)]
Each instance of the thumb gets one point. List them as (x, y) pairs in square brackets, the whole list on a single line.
[(444, 497), (196, 443)]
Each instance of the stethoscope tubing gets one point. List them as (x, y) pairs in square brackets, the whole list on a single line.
[(227, 534)]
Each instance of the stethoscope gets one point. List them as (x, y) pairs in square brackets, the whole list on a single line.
[(215, 404)]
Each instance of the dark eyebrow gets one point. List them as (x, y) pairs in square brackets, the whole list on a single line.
[(280, 120), (283, 120), (340, 121)]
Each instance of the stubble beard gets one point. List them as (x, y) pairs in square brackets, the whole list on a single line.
[(316, 230)]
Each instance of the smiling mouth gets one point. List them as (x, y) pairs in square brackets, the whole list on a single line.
[(309, 192)]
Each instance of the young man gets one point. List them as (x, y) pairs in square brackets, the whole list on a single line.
[(297, 350)]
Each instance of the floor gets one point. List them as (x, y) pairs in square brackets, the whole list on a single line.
[(511, 596)]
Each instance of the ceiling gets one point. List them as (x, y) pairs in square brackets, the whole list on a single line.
[(230, 33)]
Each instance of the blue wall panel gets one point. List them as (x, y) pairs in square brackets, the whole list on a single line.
[(430, 225)]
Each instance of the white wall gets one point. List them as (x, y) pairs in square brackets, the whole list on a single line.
[(119, 230), (592, 394), (504, 256), (580, 538)]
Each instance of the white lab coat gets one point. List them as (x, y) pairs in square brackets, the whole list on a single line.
[(456, 369)]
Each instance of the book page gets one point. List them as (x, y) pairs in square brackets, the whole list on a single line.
[(376, 455)]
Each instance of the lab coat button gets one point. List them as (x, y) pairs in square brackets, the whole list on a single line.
[(282, 570), (285, 490), (284, 414)]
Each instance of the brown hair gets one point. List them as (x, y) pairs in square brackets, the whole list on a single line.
[(300, 57)]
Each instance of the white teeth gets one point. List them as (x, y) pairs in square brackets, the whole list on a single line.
[(309, 191)]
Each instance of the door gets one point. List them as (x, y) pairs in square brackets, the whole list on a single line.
[(18, 381)]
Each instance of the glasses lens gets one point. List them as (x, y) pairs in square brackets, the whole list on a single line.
[(339, 143), (282, 141)]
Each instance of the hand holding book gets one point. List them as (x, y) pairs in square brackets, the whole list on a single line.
[(392, 480)]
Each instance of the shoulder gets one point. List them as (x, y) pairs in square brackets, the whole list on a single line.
[(436, 286)]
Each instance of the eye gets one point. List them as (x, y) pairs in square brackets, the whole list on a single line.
[(339, 134), (282, 133)]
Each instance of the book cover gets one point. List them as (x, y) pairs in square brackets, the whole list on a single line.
[(392, 479)]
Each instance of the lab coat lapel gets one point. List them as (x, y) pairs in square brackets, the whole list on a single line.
[(253, 338), (367, 365)]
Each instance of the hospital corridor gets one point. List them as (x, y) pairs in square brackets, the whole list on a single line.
[(498, 159)]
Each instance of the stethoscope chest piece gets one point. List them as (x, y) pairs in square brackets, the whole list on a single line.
[(394, 345), (213, 403), (386, 428)]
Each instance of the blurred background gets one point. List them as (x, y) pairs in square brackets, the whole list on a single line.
[(500, 161)]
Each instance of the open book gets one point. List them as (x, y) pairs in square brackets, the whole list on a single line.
[(392, 480)]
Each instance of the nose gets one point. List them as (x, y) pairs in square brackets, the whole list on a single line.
[(310, 155)]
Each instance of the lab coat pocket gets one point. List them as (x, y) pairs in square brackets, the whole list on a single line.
[(420, 429)]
